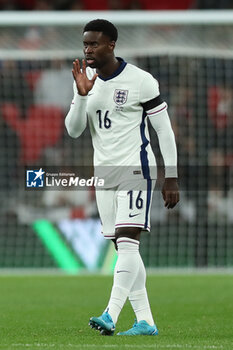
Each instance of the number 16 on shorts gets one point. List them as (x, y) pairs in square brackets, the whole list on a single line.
[(133, 209)]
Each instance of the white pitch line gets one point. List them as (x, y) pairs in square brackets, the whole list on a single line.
[(113, 346)]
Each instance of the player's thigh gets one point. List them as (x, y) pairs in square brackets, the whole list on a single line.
[(134, 204), (106, 204)]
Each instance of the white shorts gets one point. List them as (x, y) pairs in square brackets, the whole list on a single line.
[(126, 205)]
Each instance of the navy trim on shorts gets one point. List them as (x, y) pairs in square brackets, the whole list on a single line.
[(148, 200)]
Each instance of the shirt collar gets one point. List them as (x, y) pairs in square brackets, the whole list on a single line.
[(117, 71)]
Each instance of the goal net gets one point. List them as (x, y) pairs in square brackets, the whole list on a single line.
[(191, 55)]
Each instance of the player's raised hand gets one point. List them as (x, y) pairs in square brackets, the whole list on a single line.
[(170, 192), (84, 85)]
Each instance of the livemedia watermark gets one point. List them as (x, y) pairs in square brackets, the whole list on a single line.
[(40, 178)]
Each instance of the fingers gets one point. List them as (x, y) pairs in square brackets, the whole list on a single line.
[(94, 78), (84, 66), (79, 74), (171, 199), (76, 67), (164, 195)]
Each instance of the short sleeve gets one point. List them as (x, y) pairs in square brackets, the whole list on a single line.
[(149, 88)]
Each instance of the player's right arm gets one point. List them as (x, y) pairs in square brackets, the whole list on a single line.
[(76, 118)]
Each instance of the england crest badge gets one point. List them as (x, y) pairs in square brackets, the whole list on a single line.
[(120, 96)]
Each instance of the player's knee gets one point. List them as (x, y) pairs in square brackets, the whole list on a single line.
[(130, 232)]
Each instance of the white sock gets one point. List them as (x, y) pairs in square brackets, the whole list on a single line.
[(125, 273), (138, 297)]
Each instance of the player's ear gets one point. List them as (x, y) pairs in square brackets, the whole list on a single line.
[(112, 45)]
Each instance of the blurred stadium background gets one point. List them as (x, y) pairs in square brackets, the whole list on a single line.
[(190, 52)]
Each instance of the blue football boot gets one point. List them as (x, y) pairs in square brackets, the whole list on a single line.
[(103, 323), (141, 328)]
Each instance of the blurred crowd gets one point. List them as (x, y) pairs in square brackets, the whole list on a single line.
[(49, 5), (35, 97), (200, 100)]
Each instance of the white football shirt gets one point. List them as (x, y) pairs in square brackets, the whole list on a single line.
[(116, 111)]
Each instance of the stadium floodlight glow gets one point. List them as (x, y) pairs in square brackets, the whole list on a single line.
[(60, 252)]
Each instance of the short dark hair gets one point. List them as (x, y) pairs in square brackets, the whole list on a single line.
[(104, 26)]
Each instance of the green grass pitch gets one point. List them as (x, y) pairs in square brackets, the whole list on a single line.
[(51, 312)]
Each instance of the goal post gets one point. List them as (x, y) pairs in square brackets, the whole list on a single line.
[(191, 55), (202, 33)]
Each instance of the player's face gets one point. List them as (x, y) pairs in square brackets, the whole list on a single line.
[(98, 49)]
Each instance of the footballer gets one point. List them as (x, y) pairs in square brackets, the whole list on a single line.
[(117, 99)]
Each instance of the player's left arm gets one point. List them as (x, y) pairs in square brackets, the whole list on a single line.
[(156, 110), (162, 125)]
